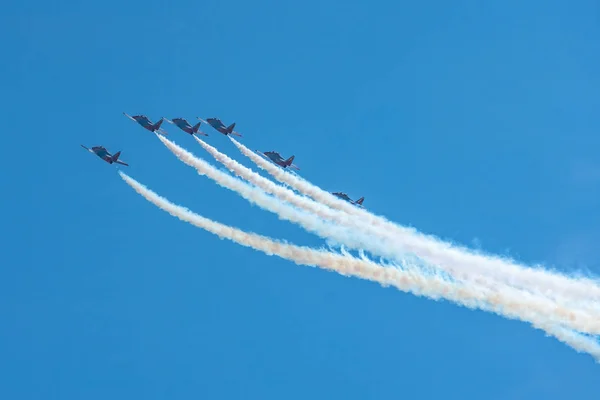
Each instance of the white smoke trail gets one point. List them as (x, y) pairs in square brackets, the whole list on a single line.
[(384, 248), (353, 239), (389, 244), (575, 319), (442, 254), (430, 287)]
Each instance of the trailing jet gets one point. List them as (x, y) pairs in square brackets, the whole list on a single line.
[(277, 159), (220, 126), (344, 196), (146, 123), (101, 152), (185, 126)]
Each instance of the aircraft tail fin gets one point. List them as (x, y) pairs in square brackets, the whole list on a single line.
[(289, 161), (115, 159), (196, 127), (230, 130), (158, 124), (360, 201)]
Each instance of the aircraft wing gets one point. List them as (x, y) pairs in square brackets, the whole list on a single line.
[(203, 120)]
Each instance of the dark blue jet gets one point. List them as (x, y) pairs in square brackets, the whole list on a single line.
[(277, 159), (147, 124), (101, 152), (344, 196), (220, 126), (185, 126)]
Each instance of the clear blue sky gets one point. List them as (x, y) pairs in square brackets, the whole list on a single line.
[(477, 123)]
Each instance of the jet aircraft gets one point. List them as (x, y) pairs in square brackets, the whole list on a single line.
[(277, 159), (101, 152), (146, 123), (220, 126), (344, 196), (185, 126)]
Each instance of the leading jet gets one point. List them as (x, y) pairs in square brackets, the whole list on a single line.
[(185, 126), (277, 159), (220, 126), (101, 152), (344, 196), (146, 123)]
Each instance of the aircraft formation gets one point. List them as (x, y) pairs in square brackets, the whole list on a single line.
[(187, 127)]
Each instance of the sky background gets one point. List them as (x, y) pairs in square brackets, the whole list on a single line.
[(474, 122)]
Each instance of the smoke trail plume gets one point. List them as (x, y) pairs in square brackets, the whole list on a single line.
[(353, 239), (444, 255), (388, 246), (384, 249), (576, 319), (430, 287)]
